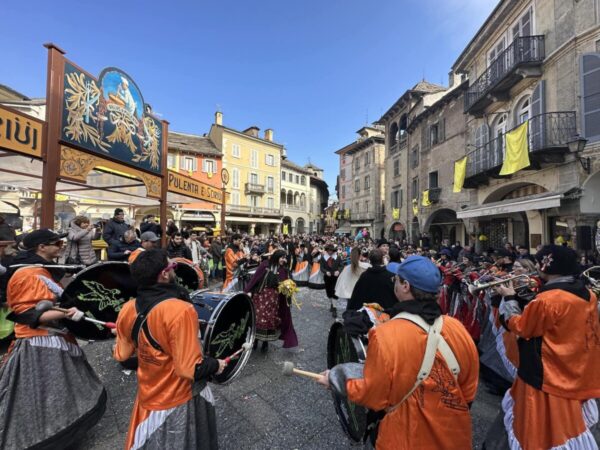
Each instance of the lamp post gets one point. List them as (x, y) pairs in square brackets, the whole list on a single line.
[(576, 147)]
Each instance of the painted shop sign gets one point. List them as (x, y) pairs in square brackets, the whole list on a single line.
[(193, 188), (108, 116), (20, 133)]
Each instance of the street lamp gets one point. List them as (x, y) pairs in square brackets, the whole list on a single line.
[(576, 147)]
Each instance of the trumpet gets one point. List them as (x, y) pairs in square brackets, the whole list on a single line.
[(476, 287)]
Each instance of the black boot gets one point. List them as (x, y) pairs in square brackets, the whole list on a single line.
[(332, 310), (264, 348)]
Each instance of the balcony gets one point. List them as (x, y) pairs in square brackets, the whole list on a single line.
[(521, 59), (252, 188), (399, 144), (548, 135), (298, 208), (253, 210)]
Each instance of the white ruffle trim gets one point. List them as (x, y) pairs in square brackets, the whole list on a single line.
[(585, 441), (501, 349), (152, 423), (56, 342)]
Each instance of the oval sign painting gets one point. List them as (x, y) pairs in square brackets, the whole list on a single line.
[(108, 116)]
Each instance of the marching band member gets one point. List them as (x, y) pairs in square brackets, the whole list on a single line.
[(331, 266), (429, 413), (550, 405), (49, 394), (149, 240), (174, 405), (233, 254)]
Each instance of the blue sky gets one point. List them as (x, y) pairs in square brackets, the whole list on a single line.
[(315, 71)]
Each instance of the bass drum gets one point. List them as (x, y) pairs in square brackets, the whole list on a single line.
[(100, 291), (188, 275), (226, 323), (343, 348)]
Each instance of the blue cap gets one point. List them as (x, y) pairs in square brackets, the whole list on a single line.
[(419, 271)]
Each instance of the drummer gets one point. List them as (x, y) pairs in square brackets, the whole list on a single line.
[(174, 405), (436, 410), (233, 255), (149, 240), (50, 394)]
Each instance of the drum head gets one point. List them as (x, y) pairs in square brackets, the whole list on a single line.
[(231, 325), (342, 348), (187, 276), (99, 291)]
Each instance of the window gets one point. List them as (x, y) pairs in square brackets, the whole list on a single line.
[(396, 199), (367, 159), (433, 134), (270, 203), (254, 159), (303, 180), (397, 167), (188, 163), (342, 174), (291, 177), (367, 206), (297, 179), (253, 201), (496, 50), (171, 161), (254, 178), (590, 100), (235, 198), (433, 180), (209, 166), (481, 136), (356, 185), (522, 111), (270, 184), (357, 164), (343, 192), (414, 158), (357, 208), (523, 26), (415, 188), (270, 160), (283, 176), (235, 177), (367, 183), (236, 151)]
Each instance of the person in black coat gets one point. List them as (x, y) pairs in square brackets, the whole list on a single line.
[(150, 224), (120, 250), (177, 247), (115, 228), (331, 265), (375, 285), (7, 233)]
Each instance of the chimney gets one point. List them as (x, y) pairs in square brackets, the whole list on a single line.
[(252, 131), (269, 135), (218, 118)]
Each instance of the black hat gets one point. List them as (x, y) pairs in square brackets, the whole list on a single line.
[(382, 242), (41, 236), (118, 211), (330, 248), (558, 260)]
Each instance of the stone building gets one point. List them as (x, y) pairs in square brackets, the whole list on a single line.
[(295, 194), (361, 187), (536, 62), (318, 199)]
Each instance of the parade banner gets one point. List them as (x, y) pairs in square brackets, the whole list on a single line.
[(108, 116), (20, 133), (190, 187)]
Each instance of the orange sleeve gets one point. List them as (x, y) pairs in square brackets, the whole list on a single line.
[(184, 342), (372, 391), (26, 289), (124, 347), (533, 322), (468, 378), (230, 259)]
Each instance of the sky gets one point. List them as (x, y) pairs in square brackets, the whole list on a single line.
[(314, 71)]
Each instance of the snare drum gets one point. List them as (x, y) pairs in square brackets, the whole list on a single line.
[(226, 323)]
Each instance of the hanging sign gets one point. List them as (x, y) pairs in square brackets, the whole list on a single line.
[(20, 133), (181, 184)]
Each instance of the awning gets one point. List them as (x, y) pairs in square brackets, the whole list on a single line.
[(198, 216), (252, 220), (361, 225), (533, 202)]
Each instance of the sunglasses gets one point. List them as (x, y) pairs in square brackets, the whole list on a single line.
[(55, 244), (170, 266)]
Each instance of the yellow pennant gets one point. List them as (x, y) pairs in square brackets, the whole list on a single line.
[(517, 150), (460, 171)]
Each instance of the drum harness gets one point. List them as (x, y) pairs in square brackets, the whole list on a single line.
[(142, 324)]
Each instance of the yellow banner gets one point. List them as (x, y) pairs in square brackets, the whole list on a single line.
[(20, 133), (415, 206), (346, 214), (285, 229), (425, 201), (517, 151), (460, 171), (180, 184), (396, 213)]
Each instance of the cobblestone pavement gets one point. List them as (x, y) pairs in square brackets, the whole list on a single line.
[(261, 409)]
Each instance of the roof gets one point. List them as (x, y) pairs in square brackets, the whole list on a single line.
[(10, 90), (192, 143), (292, 165), (248, 136), (312, 166), (449, 96), (421, 88)]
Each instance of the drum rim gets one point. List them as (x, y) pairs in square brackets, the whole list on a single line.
[(243, 360), (338, 412), (99, 263), (357, 343)]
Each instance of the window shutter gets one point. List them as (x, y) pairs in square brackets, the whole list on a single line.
[(538, 121), (425, 137), (590, 99), (442, 130)]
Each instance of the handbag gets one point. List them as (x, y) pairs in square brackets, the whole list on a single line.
[(73, 260)]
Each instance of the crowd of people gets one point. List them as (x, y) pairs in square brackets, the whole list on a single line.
[(435, 323)]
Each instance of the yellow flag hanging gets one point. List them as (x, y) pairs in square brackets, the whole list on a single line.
[(285, 228), (415, 204), (425, 201), (396, 213), (346, 214), (517, 150), (460, 171)]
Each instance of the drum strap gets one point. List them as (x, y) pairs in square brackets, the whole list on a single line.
[(142, 324), (435, 342)]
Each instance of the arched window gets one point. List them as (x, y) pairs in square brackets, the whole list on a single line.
[(393, 133), (523, 110), (499, 127), (303, 180), (481, 135), (403, 126)]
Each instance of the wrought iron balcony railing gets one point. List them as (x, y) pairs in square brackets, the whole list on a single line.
[(523, 51), (254, 210), (434, 194), (255, 188)]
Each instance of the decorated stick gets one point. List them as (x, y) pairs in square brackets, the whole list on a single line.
[(46, 305), (245, 346), (289, 369)]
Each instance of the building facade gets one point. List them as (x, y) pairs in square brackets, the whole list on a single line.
[(318, 200), (254, 165), (295, 195), (534, 62)]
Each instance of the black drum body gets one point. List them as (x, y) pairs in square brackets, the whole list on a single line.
[(343, 348), (187, 276), (226, 323), (100, 291)]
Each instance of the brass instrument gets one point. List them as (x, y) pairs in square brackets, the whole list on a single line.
[(593, 282), (476, 287)]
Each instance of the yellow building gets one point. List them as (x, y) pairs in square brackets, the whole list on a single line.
[(254, 166)]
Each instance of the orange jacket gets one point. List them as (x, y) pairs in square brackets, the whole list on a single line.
[(436, 415), (134, 254), (231, 258), (164, 378), (27, 287)]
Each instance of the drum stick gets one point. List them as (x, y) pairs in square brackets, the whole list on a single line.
[(289, 369), (43, 305), (245, 346)]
